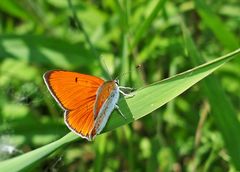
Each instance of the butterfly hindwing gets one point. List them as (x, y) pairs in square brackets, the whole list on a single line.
[(81, 120)]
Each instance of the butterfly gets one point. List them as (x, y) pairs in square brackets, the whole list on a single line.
[(87, 101)]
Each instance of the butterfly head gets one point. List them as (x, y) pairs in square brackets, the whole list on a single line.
[(116, 81)]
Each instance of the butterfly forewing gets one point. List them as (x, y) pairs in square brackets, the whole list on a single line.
[(71, 89), (76, 93)]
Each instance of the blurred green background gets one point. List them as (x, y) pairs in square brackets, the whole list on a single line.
[(114, 37)]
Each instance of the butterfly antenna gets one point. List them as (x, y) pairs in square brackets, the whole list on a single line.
[(119, 76), (105, 66), (125, 73)]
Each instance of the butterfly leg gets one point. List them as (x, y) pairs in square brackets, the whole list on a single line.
[(117, 107), (126, 95), (126, 88)]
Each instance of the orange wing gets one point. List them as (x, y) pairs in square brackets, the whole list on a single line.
[(76, 94)]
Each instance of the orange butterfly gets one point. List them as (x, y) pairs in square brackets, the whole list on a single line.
[(88, 101)]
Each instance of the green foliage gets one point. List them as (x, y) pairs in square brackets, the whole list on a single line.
[(197, 131), (135, 107)]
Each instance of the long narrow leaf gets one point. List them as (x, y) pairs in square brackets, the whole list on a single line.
[(222, 33), (144, 26)]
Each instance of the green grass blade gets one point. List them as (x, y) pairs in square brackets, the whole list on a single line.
[(15, 9), (144, 102), (155, 95), (27, 160), (123, 9), (224, 115), (146, 23), (218, 27)]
